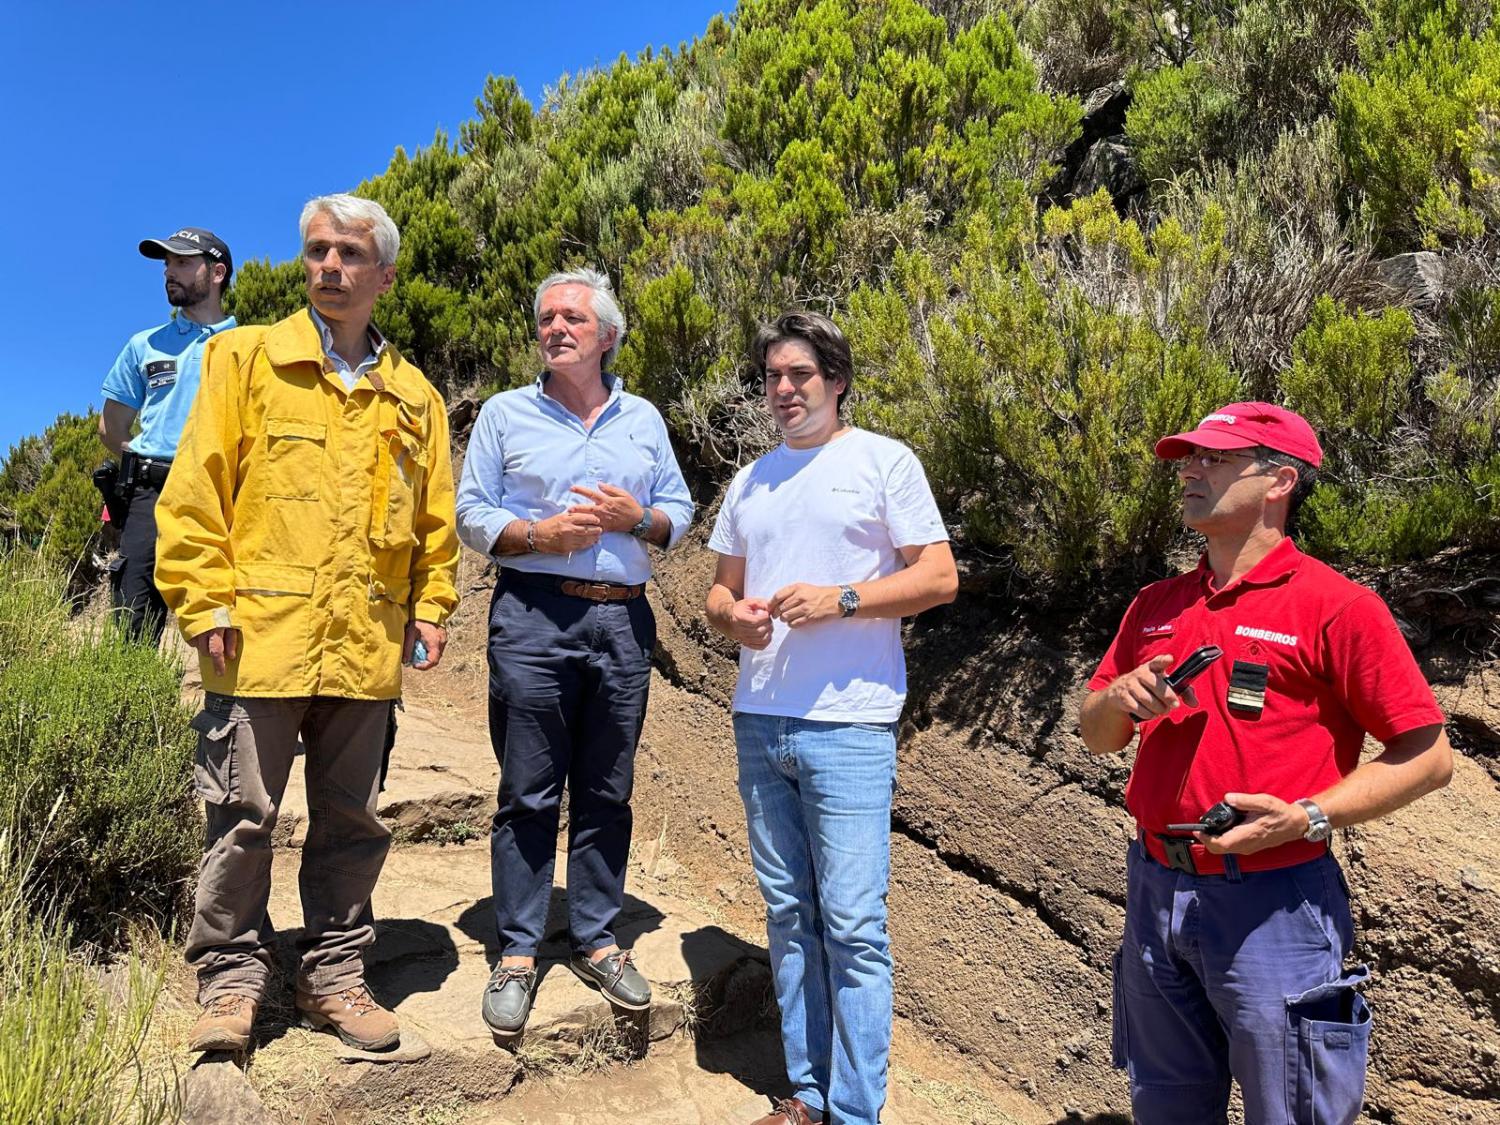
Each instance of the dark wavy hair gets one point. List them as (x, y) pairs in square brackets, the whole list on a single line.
[(835, 360)]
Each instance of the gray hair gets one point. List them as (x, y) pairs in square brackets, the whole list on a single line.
[(352, 211), (602, 300)]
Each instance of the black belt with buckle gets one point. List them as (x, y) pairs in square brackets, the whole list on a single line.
[(572, 587)]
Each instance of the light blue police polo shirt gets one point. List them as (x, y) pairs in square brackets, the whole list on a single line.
[(157, 375)]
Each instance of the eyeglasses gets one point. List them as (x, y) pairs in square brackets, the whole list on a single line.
[(1210, 459)]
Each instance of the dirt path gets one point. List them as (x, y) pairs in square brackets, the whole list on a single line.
[(707, 1052)]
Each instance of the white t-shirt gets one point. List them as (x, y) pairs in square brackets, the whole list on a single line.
[(831, 515)]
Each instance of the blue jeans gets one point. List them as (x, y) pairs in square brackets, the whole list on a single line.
[(569, 680), (1240, 975), (818, 804)]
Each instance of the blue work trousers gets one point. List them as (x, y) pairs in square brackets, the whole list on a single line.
[(1240, 976), (818, 806), (568, 686)]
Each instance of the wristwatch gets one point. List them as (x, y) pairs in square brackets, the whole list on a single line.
[(848, 601), (643, 529), (1319, 827)]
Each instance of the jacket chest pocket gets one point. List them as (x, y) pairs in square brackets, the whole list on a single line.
[(294, 458), (400, 476)]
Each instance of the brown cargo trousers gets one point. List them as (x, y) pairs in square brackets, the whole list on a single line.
[(245, 751)]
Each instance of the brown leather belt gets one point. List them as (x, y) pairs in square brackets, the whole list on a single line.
[(573, 587)]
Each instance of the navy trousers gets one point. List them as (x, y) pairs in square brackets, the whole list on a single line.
[(568, 685), (1243, 976)]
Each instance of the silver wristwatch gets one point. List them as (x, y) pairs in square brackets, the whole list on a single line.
[(643, 529), (1319, 827), (848, 601)]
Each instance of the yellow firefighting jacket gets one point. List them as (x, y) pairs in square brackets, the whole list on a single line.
[(316, 521)]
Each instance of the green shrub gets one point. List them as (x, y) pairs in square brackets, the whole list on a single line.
[(91, 723), (70, 1041), (1246, 75), (47, 494), (1033, 385), (1351, 376), (1182, 117), (1413, 123), (1412, 465)]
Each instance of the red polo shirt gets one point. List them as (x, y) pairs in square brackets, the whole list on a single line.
[(1336, 668)]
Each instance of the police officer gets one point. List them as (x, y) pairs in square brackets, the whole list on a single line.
[(1233, 958), (155, 378)]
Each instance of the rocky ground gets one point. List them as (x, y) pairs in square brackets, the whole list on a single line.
[(1006, 900)]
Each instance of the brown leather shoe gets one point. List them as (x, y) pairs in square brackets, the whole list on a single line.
[(788, 1111), (224, 1025), (351, 1014)]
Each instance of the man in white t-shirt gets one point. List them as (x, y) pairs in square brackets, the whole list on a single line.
[(824, 544)]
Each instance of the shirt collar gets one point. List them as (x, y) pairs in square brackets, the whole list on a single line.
[(186, 326), (375, 339), (1280, 562), (611, 381)]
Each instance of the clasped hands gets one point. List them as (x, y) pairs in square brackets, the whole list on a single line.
[(611, 508), (797, 605)]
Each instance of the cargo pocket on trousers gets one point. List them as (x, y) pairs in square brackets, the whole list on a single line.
[(1119, 1042), (1328, 1030), (215, 778)]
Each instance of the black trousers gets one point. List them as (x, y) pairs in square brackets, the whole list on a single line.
[(132, 575)]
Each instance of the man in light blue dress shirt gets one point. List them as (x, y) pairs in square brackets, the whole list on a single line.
[(156, 377), (565, 482)]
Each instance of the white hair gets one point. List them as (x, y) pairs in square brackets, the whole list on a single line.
[(352, 211), (602, 300)]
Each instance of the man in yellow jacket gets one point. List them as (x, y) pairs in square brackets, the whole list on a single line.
[(307, 546)]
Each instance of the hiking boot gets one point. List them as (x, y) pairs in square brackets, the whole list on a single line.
[(507, 999), (351, 1014), (789, 1111), (224, 1025), (616, 976)]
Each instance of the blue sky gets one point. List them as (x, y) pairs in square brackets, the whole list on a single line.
[(128, 120)]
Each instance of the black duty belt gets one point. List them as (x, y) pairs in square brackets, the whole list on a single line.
[(137, 471), (572, 587), (152, 471)]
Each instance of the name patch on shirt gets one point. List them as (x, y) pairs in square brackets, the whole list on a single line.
[(161, 373), (1157, 630), (1288, 639)]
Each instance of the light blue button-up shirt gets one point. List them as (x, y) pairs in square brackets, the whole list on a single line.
[(348, 375), (157, 374), (527, 450)]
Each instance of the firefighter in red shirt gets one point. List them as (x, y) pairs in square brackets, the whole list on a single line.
[(1232, 965)]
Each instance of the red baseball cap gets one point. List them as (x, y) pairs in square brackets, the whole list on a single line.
[(1243, 425)]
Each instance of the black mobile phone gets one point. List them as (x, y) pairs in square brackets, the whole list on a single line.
[(1193, 667), (1189, 670)]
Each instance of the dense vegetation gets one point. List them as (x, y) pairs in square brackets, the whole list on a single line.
[(98, 842), (1053, 229), (95, 759)]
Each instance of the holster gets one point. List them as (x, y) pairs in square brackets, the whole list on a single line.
[(108, 480)]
